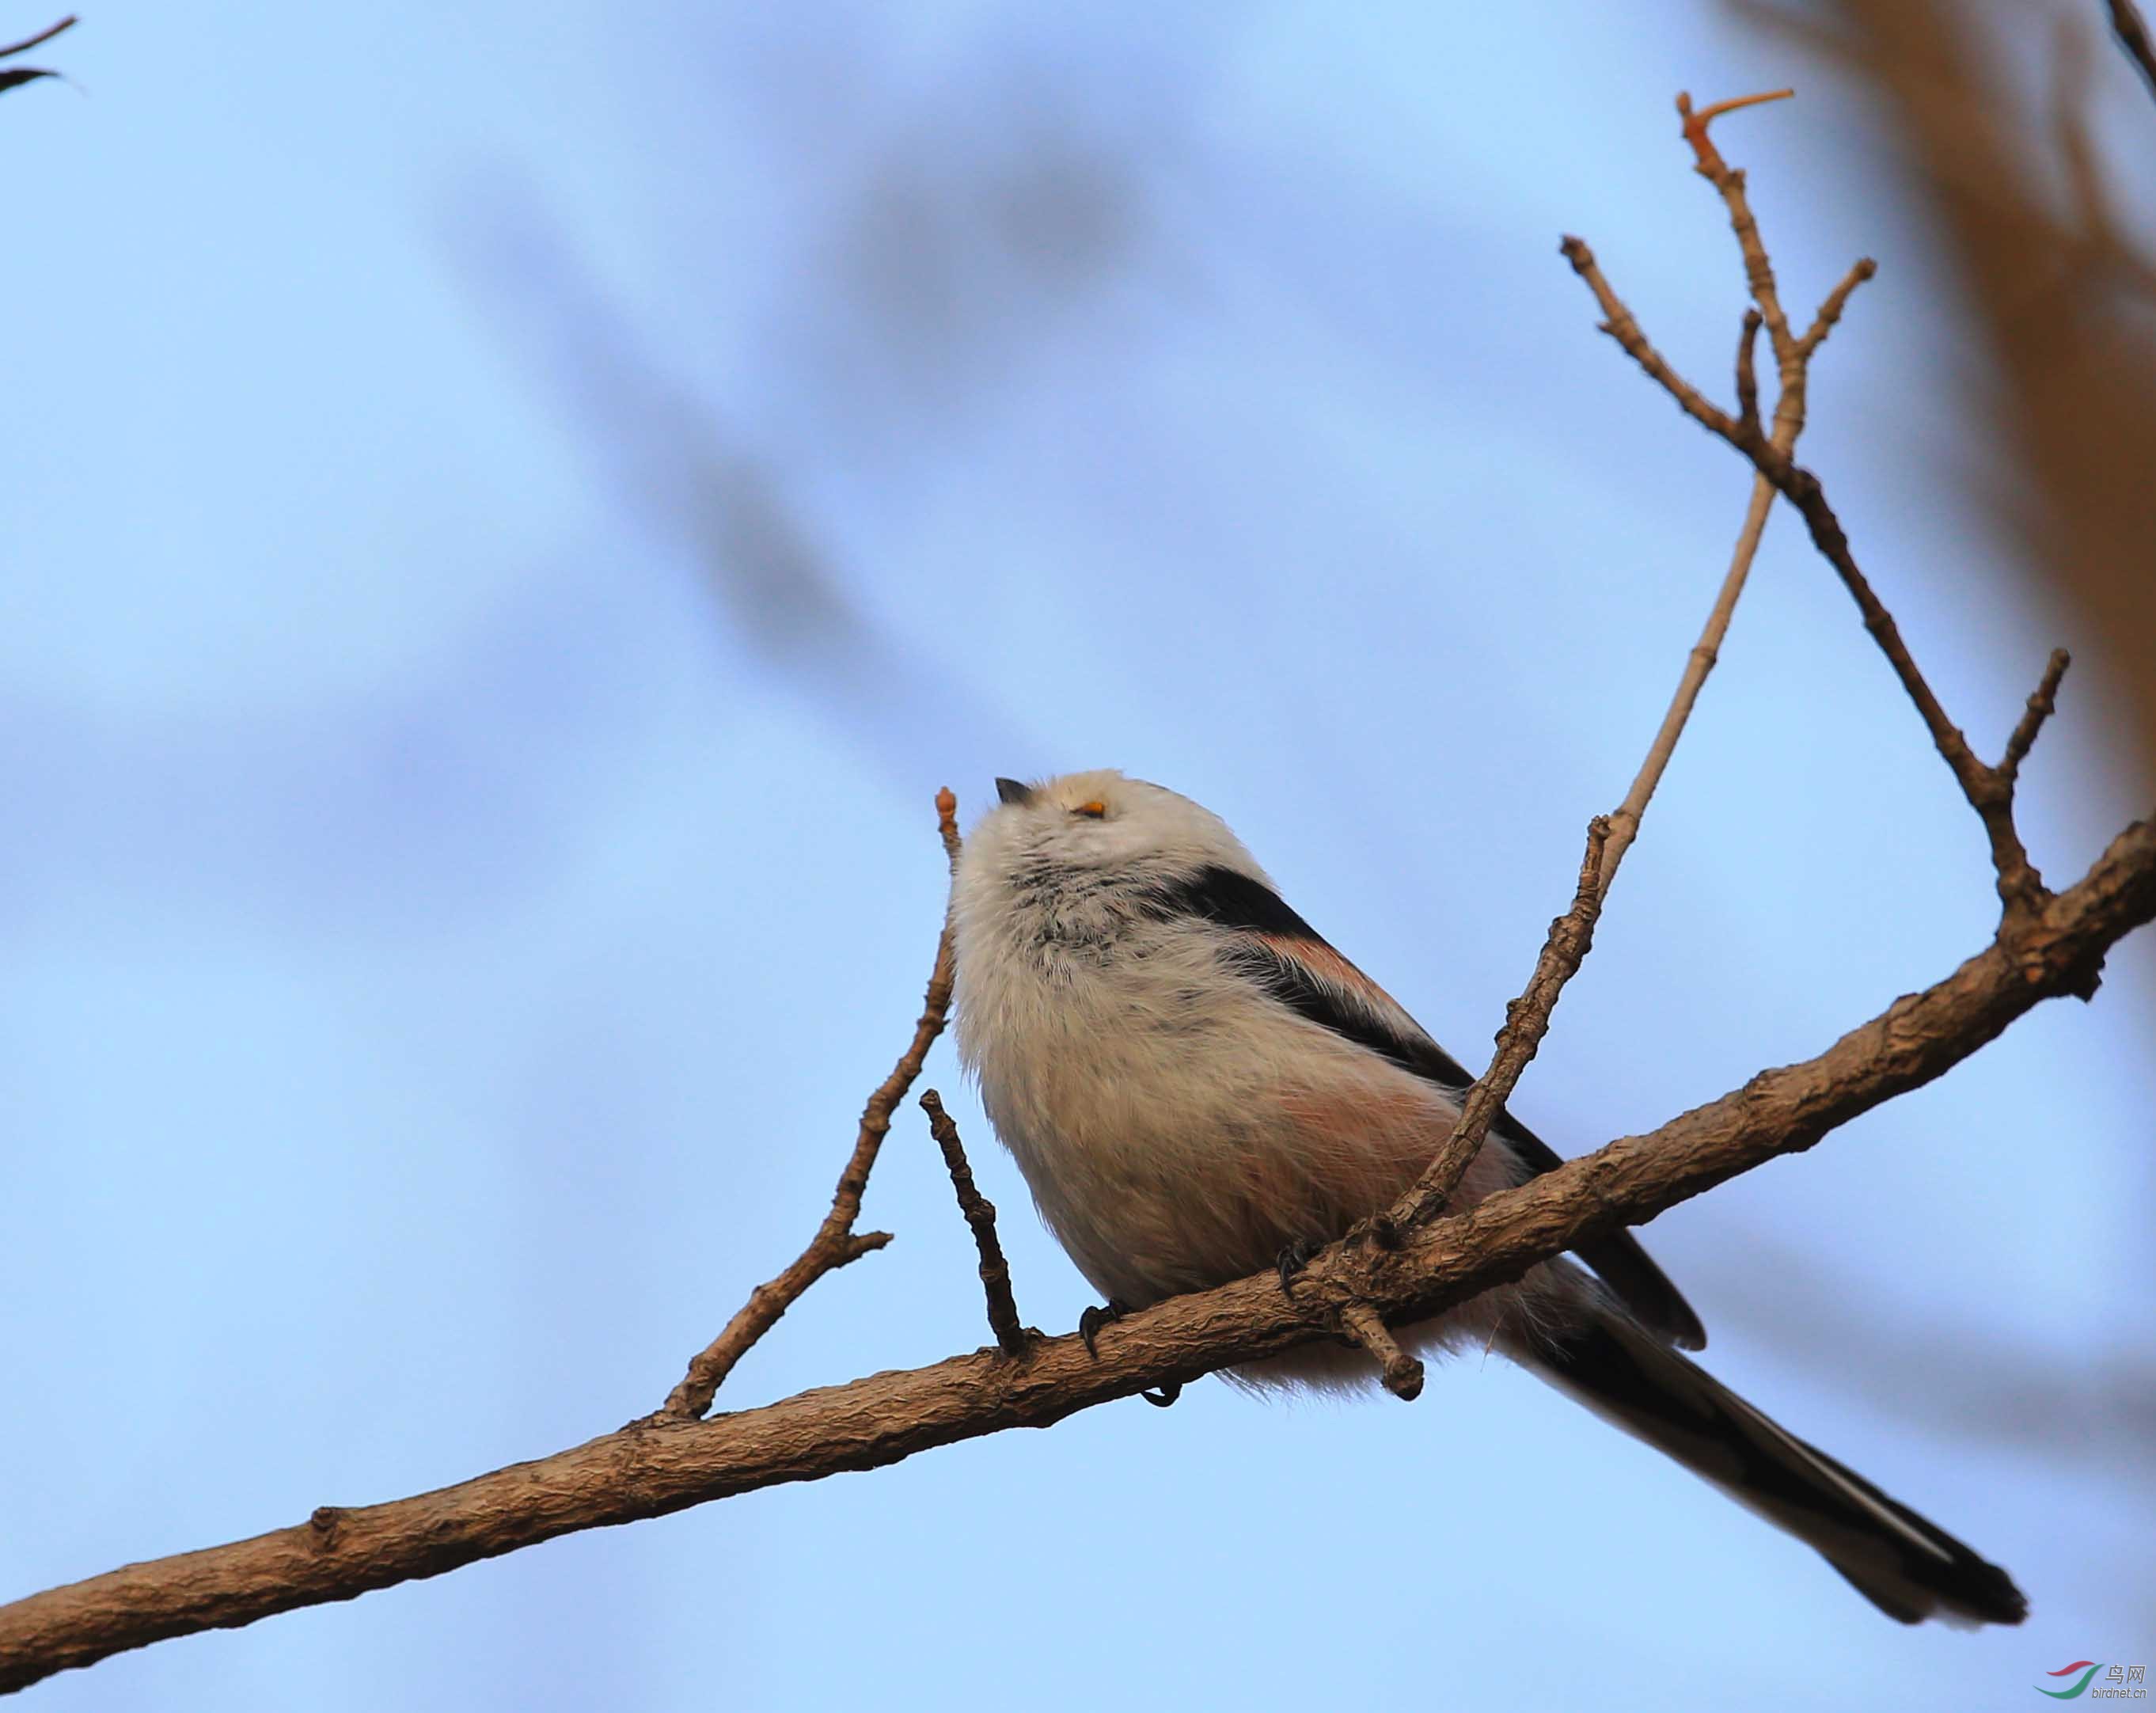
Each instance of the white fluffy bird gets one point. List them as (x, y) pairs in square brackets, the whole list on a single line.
[(1196, 1085)]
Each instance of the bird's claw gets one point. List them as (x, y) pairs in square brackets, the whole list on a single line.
[(1094, 1318), (1292, 1259)]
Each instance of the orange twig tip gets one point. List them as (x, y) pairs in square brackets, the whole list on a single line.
[(947, 823), (1706, 116), (1696, 124)]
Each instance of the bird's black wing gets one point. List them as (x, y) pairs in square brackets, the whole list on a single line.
[(1301, 969)]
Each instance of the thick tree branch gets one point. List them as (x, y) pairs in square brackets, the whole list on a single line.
[(836, 1243), (666, 1464)]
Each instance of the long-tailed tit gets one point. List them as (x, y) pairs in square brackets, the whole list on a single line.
[(1196, 1084)]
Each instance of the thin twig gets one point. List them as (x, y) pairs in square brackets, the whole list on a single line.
[(43, 36), (2043, 703), (1620, 324), (1014, 1338), (1624, 820), (1696, 124), (1527, 1022), (1791, 353), (1989, 790), (1401, 1372), (836, 1244), (1758, 270), (947, 825), (1705, 653), (1747, 370), (2131, 29), (1836, 300), (661, 1464), (13, 77)]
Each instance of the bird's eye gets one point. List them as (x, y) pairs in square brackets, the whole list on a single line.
[(1093, 811)]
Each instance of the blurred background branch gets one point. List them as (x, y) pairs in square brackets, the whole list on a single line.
[(2131, 29), (15, 77)]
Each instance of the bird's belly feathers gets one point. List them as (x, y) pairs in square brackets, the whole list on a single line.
[(1164, 1139)]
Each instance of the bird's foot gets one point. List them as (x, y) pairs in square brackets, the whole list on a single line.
[(1089, 1323), (1096, 1317), (1382, 1230), (1292, 1260)]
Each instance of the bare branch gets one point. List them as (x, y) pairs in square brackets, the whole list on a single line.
[(1401, 1372), (1012, 1338), (15, 77), (43, 36), (1696, 124), (665, 1463), (1527, 1022), (1617, 322), (946, 825), (1829, 311), (1748, 372), (2043, 703), (1758, 270), (836, 1244), (1989, 790)]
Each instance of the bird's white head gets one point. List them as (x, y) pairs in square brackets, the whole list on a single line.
[(1098, 826), (1071, 861)]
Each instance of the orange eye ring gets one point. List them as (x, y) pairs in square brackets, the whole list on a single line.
[(1095, 810)]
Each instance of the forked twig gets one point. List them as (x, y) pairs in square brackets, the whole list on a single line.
[(1988, 789), (1527, 1019), (13, 76)]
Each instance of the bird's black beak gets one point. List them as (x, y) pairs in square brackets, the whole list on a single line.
[(1011, 791)]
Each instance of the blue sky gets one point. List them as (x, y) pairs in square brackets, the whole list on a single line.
[(514, 514)]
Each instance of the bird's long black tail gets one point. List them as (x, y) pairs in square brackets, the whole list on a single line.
[(1909, 1568)]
